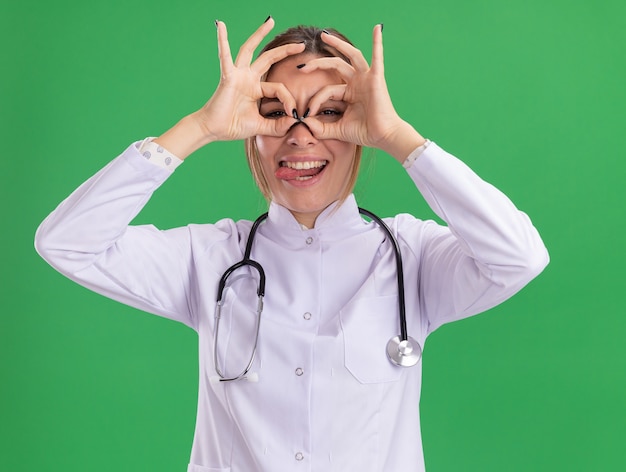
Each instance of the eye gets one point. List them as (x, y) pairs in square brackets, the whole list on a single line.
[(274, 114), (330, 114)]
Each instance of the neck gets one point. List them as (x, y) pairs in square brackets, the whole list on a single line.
[(306, 219)]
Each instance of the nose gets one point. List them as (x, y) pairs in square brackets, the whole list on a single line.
[(299, 135)]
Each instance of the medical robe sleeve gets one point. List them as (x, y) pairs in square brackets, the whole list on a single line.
[(88, 239), (489, 251)]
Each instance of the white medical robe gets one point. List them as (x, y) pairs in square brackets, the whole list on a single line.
[(327, 397)]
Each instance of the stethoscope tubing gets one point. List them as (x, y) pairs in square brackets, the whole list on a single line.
[(246, 261), (395, 346), (399, 271)]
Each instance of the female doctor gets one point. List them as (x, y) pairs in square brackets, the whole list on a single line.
[(318, 389)]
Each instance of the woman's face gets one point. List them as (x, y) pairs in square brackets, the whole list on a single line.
[(304, 174)]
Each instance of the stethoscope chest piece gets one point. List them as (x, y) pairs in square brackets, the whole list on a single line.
[(405, 353)]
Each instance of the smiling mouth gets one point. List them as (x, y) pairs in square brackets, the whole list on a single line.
[(300, 170)]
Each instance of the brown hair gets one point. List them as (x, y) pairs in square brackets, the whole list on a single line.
[(311, 36)]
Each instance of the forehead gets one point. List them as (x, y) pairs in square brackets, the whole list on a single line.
[(287, 72)]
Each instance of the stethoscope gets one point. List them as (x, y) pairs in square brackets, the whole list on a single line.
[(402, 350)]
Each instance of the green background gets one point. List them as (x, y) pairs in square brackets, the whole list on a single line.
[(531, 94)]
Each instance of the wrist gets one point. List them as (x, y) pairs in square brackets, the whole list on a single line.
[(185, 137), (402, 141)]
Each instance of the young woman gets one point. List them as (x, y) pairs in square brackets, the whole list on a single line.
[(321, 388)]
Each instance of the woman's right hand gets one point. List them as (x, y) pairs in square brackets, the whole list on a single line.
[(232, 113)]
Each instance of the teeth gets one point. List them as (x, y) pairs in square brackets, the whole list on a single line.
[(304, 165)]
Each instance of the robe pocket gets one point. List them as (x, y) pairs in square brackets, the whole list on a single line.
[(368, 324), (200, 468)]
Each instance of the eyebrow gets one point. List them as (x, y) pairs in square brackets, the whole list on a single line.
[(333, 103)]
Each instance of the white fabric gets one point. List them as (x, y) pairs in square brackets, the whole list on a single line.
[(158, 155), (408, 162), (327, 397)]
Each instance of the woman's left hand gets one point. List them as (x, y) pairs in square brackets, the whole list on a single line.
[(370, 118)]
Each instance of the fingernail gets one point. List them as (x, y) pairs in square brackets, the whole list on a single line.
[(295, 114), (306, 113), (267, 19), (217, 23), (324, 31), (300, 66), (382, 25)]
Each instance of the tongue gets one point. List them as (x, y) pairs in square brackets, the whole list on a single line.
[(287, 173)]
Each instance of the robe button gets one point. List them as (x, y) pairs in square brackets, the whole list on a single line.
[(299, 371), (299, 456), (309, 240), (307, 316)]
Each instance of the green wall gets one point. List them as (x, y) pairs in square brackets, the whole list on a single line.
[(531, 94)]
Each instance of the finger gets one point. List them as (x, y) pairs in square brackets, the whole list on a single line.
[(356, 56), (271, 57), (279, 91), (378, 64), (247, 49), (278, 127), (321, 130), (345, 70), (223, 48), (329, 92)]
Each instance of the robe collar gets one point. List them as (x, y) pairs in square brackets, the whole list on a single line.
[(334, 222)]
